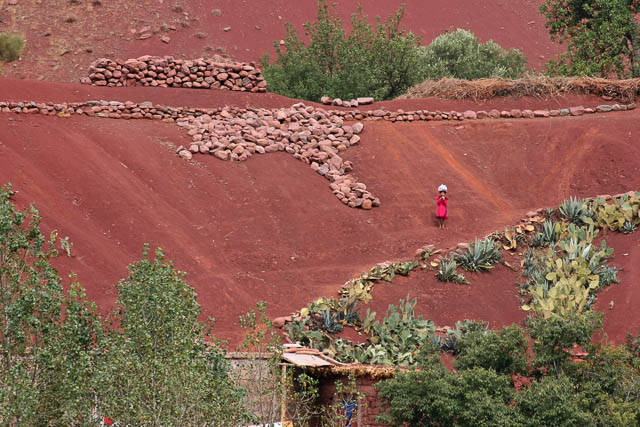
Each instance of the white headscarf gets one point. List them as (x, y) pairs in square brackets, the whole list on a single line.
[(442, 188)]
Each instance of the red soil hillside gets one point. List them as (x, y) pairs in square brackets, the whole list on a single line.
[(64, 36), (269, 228)]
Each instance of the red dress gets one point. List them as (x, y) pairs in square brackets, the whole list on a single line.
[(441, 212)]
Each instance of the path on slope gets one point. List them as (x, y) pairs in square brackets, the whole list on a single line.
[(269, 228)]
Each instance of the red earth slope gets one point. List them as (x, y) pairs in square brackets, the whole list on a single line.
[(63, 37), (269, 228)]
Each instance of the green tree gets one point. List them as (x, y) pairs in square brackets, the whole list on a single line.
[(552, 402), (602, 36), (67, 392), (555, 336), (160, 365), (434, 396), (378, 60), (461, 55), (503, 351), (44, 349)]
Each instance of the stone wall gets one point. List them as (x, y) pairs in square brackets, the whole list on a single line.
[(170, 72)]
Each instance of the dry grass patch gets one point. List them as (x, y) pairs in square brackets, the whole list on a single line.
[(534, 86)]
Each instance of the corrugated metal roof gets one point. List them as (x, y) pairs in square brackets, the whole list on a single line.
[(302, 356), (303, 359)]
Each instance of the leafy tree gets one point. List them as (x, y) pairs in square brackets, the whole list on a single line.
[(552, 402), (504, 351), (67, 394), (44, 349), (461, 55), (156, 367), (552, 338), (373, 60), (434, 396), (602, 36)]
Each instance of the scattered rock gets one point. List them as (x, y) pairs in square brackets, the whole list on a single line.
[(185, 154), (576, 111), (365, 101)]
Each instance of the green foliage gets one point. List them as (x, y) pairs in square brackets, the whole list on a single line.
[(157, 367), (553, 337), (67, 388), (373, 60), (481, 255), (448, 273), (261, 374), (346, 392), (628, 227), (461, 55), (11, 46), (37, 384), (566, 277), (602, 36), (396, 341), (551, 402), (504, 351), (435, 396), (623, 214), (573, 210)]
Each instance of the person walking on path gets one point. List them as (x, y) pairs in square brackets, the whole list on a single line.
[(441, 202)]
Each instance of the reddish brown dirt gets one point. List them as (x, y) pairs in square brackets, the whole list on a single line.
[(60, 50), (623, 318), (20, 90), (270, 229), (491, 297)]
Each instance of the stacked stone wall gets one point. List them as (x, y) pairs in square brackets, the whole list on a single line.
[(167, 71)]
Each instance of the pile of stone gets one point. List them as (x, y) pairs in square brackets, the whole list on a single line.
[(311, 135), (354, 103), (166, 71)]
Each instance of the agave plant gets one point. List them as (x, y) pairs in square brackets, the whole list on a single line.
[(628, 227), (481, 255), (538, 240), (448, 273), (573, 209)]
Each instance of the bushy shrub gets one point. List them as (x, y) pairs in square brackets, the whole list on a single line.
[(373, 60), (11, 46), (435, 396), (461, 55), (504, 351)]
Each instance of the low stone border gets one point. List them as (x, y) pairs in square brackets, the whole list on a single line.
[(169, 72), (313, 135)]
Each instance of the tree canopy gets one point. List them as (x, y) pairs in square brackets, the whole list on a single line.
[(602, 36)]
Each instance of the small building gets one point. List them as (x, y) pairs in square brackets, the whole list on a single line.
[(361, 410)]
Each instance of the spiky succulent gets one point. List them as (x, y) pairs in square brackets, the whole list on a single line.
[(481, 255)]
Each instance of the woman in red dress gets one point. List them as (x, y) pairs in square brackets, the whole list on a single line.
[(441, 202)]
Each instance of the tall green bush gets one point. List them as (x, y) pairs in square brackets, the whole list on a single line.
[(46, 334), (378, 60), (461, 55), (157, 368), (11, 46)]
